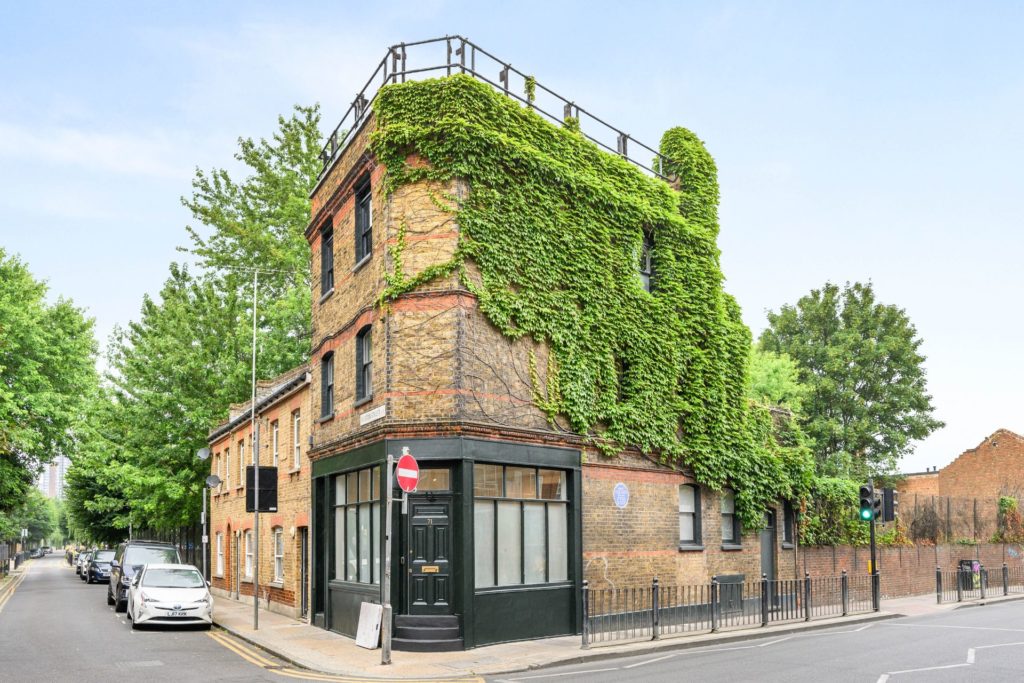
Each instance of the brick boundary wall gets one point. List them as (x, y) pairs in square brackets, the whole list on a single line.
[(910, 570)]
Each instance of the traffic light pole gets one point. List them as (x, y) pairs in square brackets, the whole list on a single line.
[(875, 597)]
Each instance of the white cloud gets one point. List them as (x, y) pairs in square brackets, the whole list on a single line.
[(155, 155)]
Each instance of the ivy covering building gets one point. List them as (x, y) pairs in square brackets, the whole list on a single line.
[(542, 323)]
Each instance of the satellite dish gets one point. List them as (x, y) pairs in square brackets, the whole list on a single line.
[(213, 481), (203, 453)]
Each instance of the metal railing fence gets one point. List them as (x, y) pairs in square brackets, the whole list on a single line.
[(463, 56), (649, 612), (959, 585)]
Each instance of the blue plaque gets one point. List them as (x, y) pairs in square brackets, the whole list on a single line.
[(621, 495)]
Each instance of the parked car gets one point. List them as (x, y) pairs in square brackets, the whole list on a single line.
[(169, 594), (98, 568), (83, 563), (129, 559), (46, 550), (80, 561), (36, 553)]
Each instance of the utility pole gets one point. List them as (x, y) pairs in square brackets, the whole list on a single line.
[(256, 474)]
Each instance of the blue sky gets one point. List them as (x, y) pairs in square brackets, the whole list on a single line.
[(855, 141)]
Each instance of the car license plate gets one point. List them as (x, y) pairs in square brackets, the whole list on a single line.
[(178, 614)]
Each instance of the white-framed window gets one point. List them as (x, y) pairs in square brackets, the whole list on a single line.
[(241, 462), (227, 468), (248, 554), (297, 438), (278, 554), (220, 554), (689, 515), (273, 439), (730, 530)]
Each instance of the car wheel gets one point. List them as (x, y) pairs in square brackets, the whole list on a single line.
[(122, 603), (89, 579)]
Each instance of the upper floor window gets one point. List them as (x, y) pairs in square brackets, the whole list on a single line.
[(227, 468), (364, 363), (646, 265), (730, 522), (327, 385), (689, 515), (241, 462), (326, 260), (364, 221), (297, 436), (273, 441)]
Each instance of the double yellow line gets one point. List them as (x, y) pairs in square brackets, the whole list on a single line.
[(253, 656), (7, 591)]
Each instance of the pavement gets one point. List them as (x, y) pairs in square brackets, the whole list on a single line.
[(319, 650)]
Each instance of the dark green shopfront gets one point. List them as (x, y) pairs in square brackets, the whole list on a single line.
[(488, 551)]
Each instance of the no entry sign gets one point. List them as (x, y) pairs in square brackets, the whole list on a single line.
[(408, 473)]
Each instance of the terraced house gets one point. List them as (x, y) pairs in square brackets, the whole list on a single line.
[(282, 409), (538, 317)]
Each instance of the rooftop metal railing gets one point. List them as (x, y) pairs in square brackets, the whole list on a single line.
[(463, 56)]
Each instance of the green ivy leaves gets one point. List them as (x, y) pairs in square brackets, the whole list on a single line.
[(555, 226)]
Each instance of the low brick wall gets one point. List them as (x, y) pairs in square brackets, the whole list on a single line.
[(908, 570)]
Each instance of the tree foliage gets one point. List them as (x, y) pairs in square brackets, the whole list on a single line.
[(860, 360), (174, 372), (47, 356), (555, 228), (775, 380)]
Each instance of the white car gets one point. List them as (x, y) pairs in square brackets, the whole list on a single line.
[(169, 594)]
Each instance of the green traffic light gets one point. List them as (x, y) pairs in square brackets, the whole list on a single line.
[(866, 514)]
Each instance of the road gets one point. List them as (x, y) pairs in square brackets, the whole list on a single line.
[(970, 644), (56, 627)]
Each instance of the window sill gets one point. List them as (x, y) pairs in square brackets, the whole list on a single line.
[(295, 470), (786, 545), (690, 547), (246, 579), (276, 584), (363, 401), (326, 295), (325, 418), (731, 547), (362, 262), (239, 488)]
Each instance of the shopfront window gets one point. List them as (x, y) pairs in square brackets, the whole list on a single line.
[(356, 530), (520, 525)]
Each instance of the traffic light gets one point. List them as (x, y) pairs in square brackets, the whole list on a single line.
[(890, 504), (867, 502), (876, 507)]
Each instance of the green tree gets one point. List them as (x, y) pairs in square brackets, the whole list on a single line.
[(860, 360), (774, 380), (47, 355), (174, 372)]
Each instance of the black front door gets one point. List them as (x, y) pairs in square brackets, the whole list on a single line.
[(428, 556), (304, 571)]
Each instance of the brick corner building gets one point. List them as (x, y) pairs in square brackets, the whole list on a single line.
[(513, 511)]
